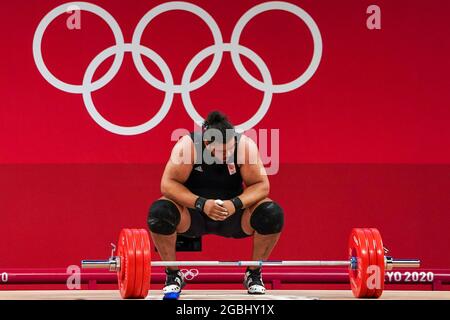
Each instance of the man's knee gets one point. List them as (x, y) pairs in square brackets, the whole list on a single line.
[(163, 217), (267, 218)]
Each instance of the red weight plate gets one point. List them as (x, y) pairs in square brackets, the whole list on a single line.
[(357, 247), (380, 260), (146, 249), (139, 243), (126, 253), (372, 260)]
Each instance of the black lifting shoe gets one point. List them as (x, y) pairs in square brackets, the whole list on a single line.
[(253, 281), (174, 281)]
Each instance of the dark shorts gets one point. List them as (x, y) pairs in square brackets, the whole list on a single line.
[(202, 224)]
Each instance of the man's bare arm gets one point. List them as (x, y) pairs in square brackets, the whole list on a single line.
[(253, 173), (177, 171)]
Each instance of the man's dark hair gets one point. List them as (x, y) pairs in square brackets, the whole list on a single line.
[(217, 122)]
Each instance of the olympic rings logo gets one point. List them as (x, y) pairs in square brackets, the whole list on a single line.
[(189, 274), (187, 85)]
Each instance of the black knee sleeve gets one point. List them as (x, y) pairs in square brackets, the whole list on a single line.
[(267, 218), (163, 217)]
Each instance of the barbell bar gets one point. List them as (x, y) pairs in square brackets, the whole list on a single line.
[(113, 263)]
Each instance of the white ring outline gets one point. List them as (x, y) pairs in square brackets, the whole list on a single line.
[(92, 110), (199, 12), (262, 67), (37, 43), (190, 274), (310, 23)]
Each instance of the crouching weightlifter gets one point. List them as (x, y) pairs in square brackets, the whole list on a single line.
[(191, 185)]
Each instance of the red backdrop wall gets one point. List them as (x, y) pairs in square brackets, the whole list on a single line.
[(365, 142)]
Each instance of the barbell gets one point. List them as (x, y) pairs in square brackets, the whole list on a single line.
[(366, 263)]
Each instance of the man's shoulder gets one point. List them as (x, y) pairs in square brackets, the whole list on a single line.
[(187, 139), (247, 151), (183, 151), (247, 142)]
